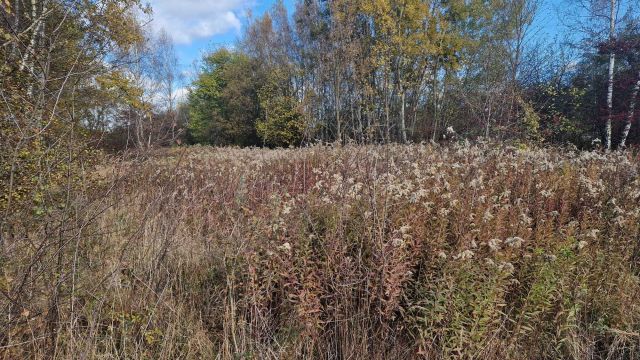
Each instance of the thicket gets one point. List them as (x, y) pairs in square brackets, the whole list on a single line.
[(421, 251)]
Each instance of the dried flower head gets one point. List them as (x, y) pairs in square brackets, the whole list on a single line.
[(467, 254), (514, 242)]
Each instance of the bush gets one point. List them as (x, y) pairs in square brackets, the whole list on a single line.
[(283, 124)]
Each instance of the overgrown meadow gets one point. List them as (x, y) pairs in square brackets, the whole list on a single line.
[(466, 251)]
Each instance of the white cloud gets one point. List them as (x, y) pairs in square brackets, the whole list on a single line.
[(187, 20), (182, 94)]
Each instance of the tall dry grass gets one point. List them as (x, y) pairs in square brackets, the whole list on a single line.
[(358, 252)]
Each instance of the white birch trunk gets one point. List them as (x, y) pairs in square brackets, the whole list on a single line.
[(630, 115), (25, 62), (612, 60)]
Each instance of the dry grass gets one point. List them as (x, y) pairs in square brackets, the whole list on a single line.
[(370, 252)]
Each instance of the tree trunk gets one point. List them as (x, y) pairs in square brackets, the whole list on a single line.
[(414, 120), (16, 26), (403, 127), (360, 126), (338, 120), (441, 100), (632, 108), (370, 128), (487, 112), (26, 62), (353, 115), (386, 111), (612, 60), (434, 95)]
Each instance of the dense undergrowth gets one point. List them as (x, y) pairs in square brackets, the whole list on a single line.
[(357, 252)]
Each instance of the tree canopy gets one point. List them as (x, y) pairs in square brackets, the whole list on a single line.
[(400, 71)]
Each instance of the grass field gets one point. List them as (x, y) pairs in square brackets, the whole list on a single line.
[(357, 252)]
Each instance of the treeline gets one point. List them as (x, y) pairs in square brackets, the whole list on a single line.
[(414, 70), (348, 71)]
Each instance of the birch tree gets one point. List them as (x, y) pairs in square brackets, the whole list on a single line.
[(597, 22), (612, 60), (631, 113)]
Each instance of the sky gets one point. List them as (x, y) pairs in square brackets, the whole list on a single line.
[(198, 26)]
